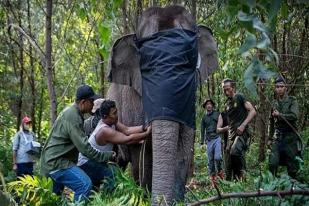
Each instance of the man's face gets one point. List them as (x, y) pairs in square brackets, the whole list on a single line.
[(209, 106), (228, 89), (113, 115), (280, 88), (86, 105)]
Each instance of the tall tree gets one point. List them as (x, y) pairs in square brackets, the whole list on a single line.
[(32, 71), (48, 60)]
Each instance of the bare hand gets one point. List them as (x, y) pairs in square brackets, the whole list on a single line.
[(148, 131), (276, 113), (14, 167), (240, 130)]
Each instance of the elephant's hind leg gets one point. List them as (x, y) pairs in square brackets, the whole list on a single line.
[(164, 138)]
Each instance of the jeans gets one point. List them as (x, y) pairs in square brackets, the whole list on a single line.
[(75, 179), (24, 169), (100, 173), (214, 155)]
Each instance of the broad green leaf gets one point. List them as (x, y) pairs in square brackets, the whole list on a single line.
[(284, 11), (264, 42), (249, 78), (274, 8), (256, 70), (258, 24), (250, 42), (242, 16), (250, 3), (273, 56), (105, 33)]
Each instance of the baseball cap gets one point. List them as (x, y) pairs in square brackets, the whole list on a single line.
[(97, 104), (280, 79), (86, 92), (26, 120)]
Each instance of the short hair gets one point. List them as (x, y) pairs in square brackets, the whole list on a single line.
[(232, 82), (106, 107)]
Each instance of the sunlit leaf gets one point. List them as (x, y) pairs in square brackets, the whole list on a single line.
[(242, 16), (264, 42), (258, 24), (250, 42), (284, 11), (274, 8)]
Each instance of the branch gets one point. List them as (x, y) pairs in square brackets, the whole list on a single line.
[(251, 194), (31, 41)]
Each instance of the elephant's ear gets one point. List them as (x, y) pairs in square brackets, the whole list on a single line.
[(208, 51), (123, 67)]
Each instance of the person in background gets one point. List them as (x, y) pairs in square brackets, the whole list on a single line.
[(66, 139), (22, 161), (91, 123), (239, 112), (209, 132), (283, 136)]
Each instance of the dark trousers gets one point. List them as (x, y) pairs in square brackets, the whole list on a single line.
[(100, 173), (24, 169)]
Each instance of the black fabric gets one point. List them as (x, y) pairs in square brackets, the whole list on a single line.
[(168, 67), (236, 113)]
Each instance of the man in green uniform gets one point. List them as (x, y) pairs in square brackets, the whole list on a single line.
[(286, 144), (66, 139), (239, 112)]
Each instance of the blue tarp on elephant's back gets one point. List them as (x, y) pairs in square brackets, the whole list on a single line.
[(168, 68)]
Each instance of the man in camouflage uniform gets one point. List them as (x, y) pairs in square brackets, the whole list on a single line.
[(239, 112), (286, 145)]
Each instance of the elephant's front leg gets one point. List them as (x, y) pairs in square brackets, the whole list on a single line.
[(185, 154), (165, 137)]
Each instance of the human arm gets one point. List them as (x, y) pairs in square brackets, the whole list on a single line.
[(291, 113), (221, 129), (16, 140), (250, 116), (129, 130), (108, 135)]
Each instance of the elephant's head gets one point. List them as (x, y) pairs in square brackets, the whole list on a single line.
[(124, 65)]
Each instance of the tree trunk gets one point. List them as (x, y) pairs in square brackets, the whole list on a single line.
[(154, 3), (193, 9), (139, 9), (32, 73), (125, 17), (21, 76), (102, 74), (41, 108), (262, 122), (48, 62)]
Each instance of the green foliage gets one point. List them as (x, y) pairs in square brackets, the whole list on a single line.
[(257, 177), (125, 193), (34, 190)]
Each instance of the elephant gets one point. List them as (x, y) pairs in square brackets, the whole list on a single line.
[(130, 113), (161, 62)]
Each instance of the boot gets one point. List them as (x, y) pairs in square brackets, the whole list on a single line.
[(221, 175), (213, 180)]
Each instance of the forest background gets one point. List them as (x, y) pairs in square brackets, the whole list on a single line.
[(48, 48)]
